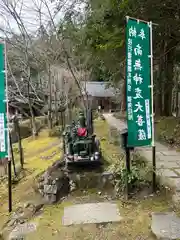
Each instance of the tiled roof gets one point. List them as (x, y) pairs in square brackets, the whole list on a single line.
[(98, 89)]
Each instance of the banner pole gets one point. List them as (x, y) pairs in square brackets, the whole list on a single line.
[(8, 136), (137, 19), (7, 123), (152, 112)]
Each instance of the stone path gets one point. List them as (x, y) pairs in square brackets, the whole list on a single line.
[(166, 225), (21, 230), (167, 160), (103, 212)]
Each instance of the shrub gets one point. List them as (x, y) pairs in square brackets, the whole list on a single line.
[(25, 127), (55, 132)]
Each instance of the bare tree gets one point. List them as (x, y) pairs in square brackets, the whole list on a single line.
[(37, 53)]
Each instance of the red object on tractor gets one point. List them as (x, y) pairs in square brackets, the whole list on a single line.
[(82, 132)]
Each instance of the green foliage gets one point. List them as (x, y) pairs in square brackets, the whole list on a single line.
[(134, 177), (95, 114), (15, 150), (115, 157), (104, 34), (101, 37), (167, 130), (75, 113)]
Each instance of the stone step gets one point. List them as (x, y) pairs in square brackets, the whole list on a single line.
[(91, 213), (166, 225)]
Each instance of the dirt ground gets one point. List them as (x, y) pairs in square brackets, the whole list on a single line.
[(135, 224), (136, 213)]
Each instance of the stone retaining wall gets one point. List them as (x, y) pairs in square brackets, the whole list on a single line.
[(57, 182), (54, 183)]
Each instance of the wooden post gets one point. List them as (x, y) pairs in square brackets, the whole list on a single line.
[(17, 129)]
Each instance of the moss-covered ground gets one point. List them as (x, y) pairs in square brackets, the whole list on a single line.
[(35, 162), (136, 213), (136, 223), (167, 129)]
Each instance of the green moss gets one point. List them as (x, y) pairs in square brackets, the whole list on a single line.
[(167, 127), (42, 161), (39, 155), (137, 215), (111, 152), (56, 131), (49, 223), (135, 224), (32, 146), (167, 131)]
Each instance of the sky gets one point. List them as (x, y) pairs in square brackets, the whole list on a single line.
[(29, 12)]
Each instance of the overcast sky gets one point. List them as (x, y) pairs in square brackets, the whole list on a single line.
[(28, 10)]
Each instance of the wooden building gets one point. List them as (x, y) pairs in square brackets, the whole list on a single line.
[(99, 94)]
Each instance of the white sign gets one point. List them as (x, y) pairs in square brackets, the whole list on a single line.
[(2, 133)]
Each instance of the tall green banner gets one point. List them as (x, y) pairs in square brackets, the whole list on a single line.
[(3, 116), (138, 83)]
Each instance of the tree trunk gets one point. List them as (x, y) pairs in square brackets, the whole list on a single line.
[(50, 99), (158, 101), (123, 101), (32, 119), (169, 74), (159, 83), (17, 129), (55, 101), (70, 111), (33, 122), (56, 107), (176, 102), (62, 121), (12, 155), (158, 98)]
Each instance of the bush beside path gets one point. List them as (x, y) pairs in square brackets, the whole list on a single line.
[(167, 159)]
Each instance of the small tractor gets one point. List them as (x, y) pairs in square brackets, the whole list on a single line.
[(79, 143)]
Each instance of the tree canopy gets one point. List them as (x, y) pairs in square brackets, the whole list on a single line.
[(104, 36), (91, 43)]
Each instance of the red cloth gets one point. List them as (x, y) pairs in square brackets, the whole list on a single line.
[(82, 132)]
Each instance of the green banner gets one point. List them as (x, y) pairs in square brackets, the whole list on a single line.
[(138, 81), (3, 119)]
